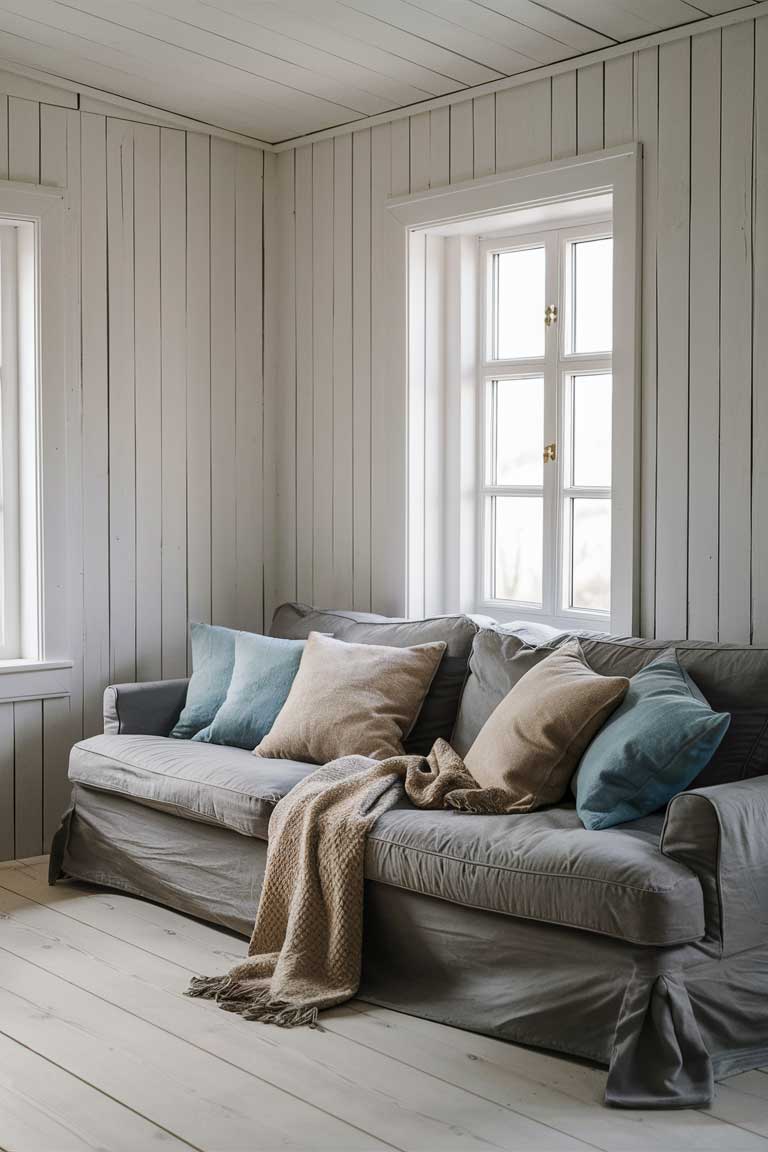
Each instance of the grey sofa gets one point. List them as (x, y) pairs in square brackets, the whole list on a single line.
[(643, 947)]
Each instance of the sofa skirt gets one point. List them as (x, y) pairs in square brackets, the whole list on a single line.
[(665, 1021)]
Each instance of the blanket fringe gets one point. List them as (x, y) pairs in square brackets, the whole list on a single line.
[(252, 1003), (207, 987)]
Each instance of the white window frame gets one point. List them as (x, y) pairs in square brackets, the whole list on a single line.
[(10, 600), (616, 172), (38, 217), (557, 366)]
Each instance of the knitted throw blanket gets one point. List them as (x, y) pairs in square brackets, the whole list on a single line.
[(305, 951)]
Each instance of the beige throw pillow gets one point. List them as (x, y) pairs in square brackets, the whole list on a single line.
[(531, 744), (350, 699)]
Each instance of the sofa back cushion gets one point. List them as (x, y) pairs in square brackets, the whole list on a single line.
[(733, 678), (438, 713)]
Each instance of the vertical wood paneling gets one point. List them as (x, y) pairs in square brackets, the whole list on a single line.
[(223, 404), (439, 147), (3, 137), (280, 441), (138, 408), (57, 728), (704, 415), (388, 457), (28, 777), (149, 632), (524, 125), (249, 391), (590, 108), (619, 101), (95, 420), (760, 343), (484, 121), (53, 146), (69, 169), (173, 307), (322, 369), (342, 372), (564, 115), (736, 333), (304, 367), (672, 337), (23, 140), (462, 164), (122, 401), (419, 152), (198, 379), (6, 781), (361, 367), (647, 124)]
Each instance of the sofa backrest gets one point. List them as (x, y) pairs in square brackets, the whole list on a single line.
[(437, 716), (733, 678)]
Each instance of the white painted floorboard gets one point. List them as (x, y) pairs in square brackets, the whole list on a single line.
[(100, 1049)]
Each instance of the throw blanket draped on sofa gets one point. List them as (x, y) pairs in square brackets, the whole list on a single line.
[(306, 945)]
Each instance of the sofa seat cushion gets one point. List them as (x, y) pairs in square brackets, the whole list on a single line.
[(542, 866), (225, 786)]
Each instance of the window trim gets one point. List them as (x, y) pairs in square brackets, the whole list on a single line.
[(616, 172), (556, 366), (45, 551), (10, 602)]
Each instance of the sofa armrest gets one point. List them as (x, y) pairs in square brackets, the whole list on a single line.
[(720, 834), (149, 709)]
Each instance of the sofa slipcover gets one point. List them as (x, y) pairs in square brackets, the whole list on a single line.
[(542, 866), (208, 782)]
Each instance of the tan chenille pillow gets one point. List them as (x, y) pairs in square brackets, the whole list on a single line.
[(531, 744), (350, 699)]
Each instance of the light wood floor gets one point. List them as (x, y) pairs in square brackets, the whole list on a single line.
[(100, 1050)]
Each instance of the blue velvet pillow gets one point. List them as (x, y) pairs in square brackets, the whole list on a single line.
[(264, 670), (652, 747), (213, 658)]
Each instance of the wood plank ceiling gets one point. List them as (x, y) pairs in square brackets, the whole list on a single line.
[(278, 70)]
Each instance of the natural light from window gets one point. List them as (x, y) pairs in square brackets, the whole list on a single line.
[(546, 391)]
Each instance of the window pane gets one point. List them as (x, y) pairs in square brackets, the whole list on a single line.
[(519, 432), (517, 563), (593, 292), (592, 431), (591, 551), (520, 304)]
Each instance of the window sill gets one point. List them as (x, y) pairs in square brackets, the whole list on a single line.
[(21, 665), (34, 679)]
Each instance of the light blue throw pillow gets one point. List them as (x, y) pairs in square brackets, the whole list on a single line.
[(652, 747), (264, 670), (213, 658)]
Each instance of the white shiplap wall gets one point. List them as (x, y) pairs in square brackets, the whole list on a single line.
[(165, 427), (337, 487)]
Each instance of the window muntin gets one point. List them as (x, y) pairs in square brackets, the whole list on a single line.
[(546, 516)]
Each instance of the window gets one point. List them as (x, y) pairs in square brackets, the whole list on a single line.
[(545, 376)]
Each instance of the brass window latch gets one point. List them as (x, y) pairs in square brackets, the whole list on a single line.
[(550, 453), (550, 314)]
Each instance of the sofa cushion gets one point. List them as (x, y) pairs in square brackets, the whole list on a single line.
[(436, 719), (225, 786), (732, 677), (542, 866)]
